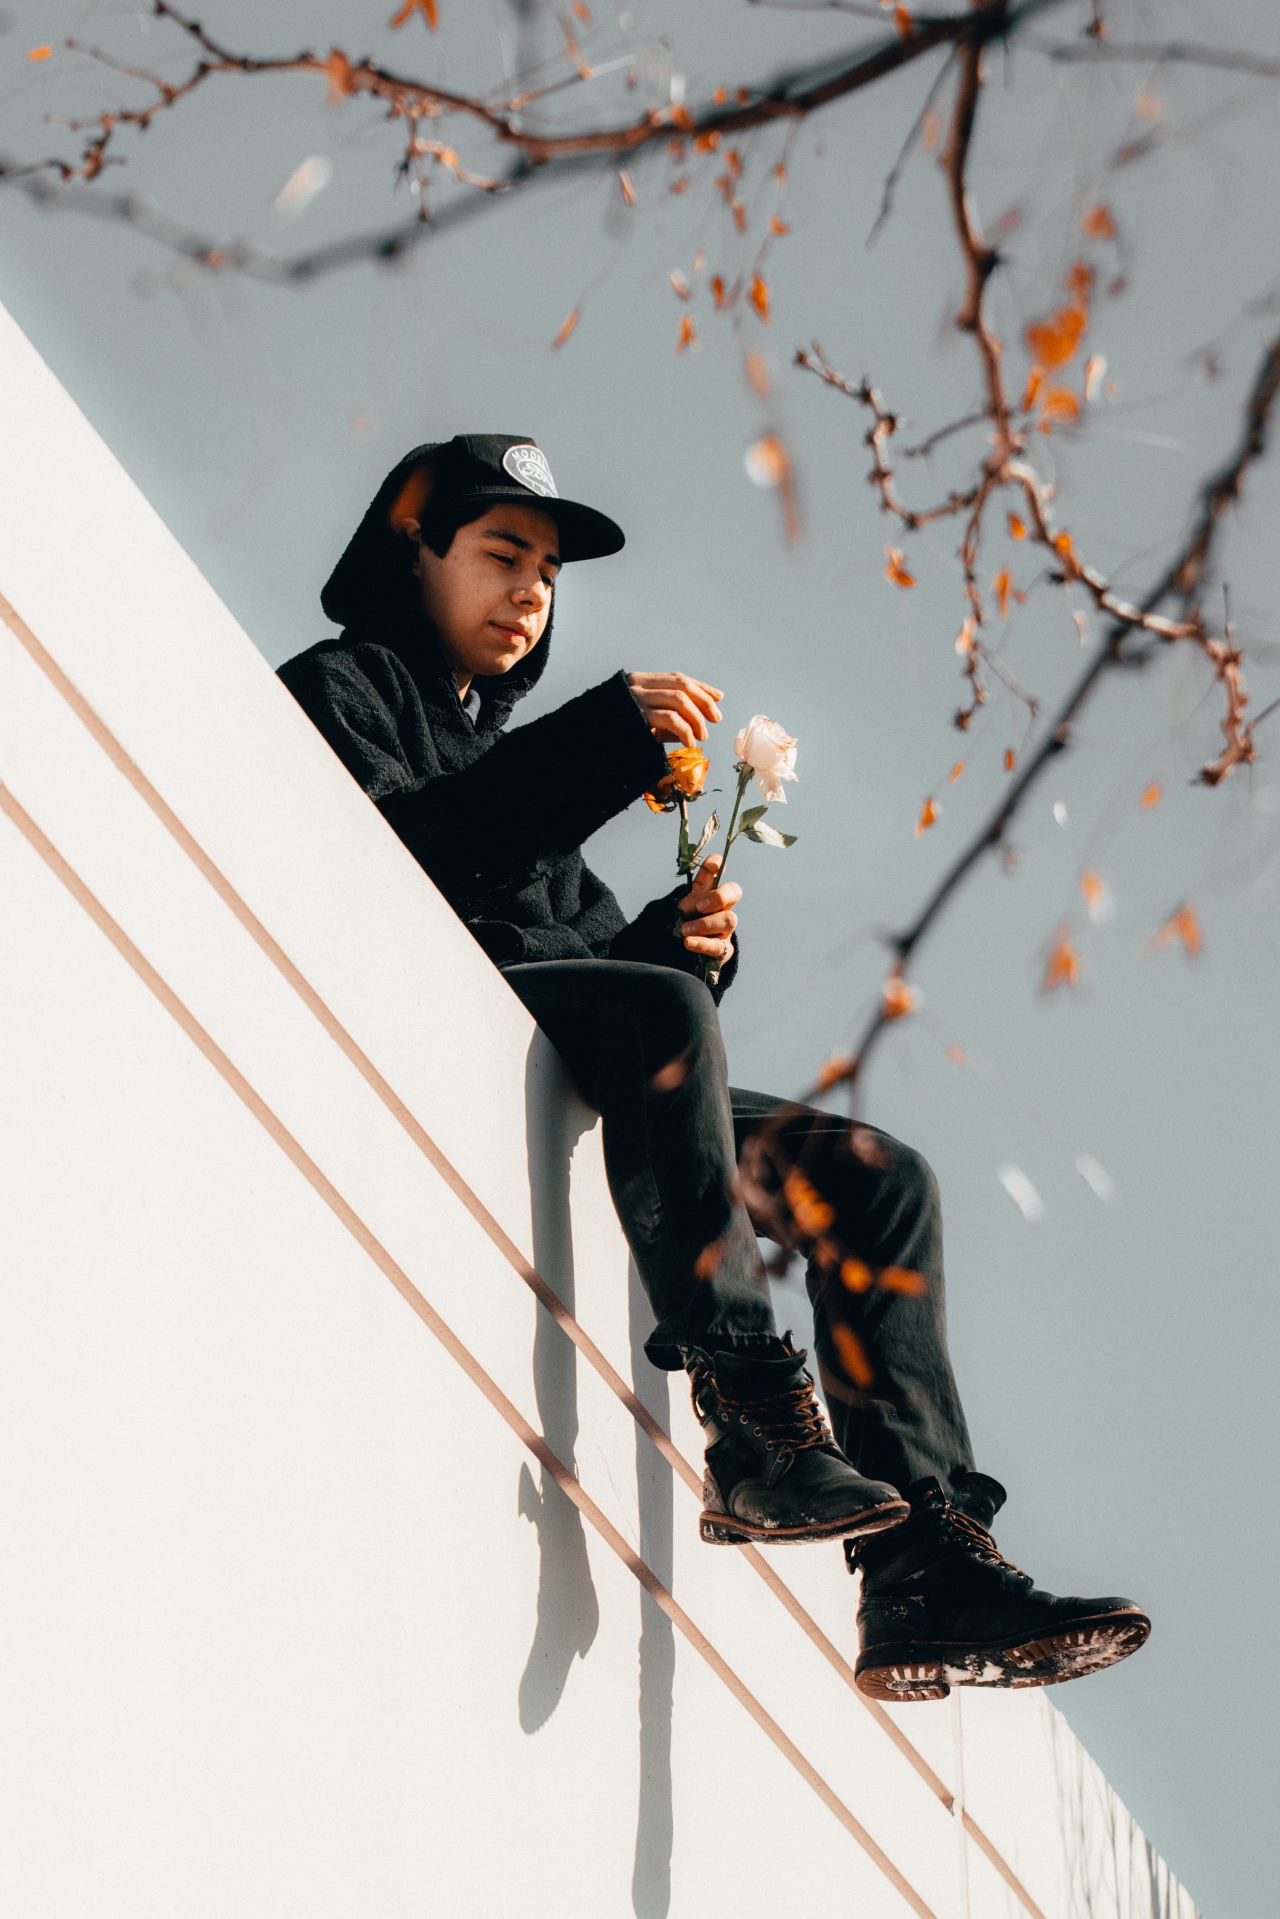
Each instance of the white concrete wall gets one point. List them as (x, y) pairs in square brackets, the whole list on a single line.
[(350, 1555)]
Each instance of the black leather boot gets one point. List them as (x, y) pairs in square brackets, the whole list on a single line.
[(773, 1470), (941, 1607)]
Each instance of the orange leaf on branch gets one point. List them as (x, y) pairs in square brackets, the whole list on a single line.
[(1052, 342), (928, 815), (760, 296), (1002, 582), (1017, 527), (897, 569), (896, 998)]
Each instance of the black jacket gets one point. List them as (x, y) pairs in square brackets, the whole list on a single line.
[(497, 819)]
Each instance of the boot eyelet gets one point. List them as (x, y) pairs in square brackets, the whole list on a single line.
[(743, 1418), (756, 1430), (769, 1445)]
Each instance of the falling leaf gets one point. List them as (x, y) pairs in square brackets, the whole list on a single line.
[(687, 335), (739, 216), (1184, 926), (1052, 342), (1001, 583), (901, 1279), (1017, 527), (758, 374), (308, 179), (717, 290), (1094, 1176), (1151, 795), (1034, 377), (1021, 1192), (583, 11), (679, 283), (628, 186), (778, 226), (427, 8), (767, 462), (896, 569), (567, 328), (856, 1275), (1079, 282), (897, 998), (1060, 813), (928, 814), (1063, 967), (759, 296), (955, 772), (40, 53), (699, 261), (1097, 222), (852, 1356), (1093, 888), (833, 1070)]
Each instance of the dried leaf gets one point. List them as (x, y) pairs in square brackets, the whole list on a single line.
[(1093, 888), (739, 216), (1063, 967), (1002, 583), (964, 638), (717, 290), (1151, 795), (1010, 759), (679, 186), (928, 814), (338, 68), (759, 296), (1079, 281), (1184, 926), (901, 1279), (1052, 342), (628, 186), (1034, 377), (852, 1356), (1017, 527), (896, 569), (40, 53), (856, 1275), (1096, 221), (567, 328), (720, 96), (427, 8), (778, 226), (955, 772), (1065, 545), (1058, 403), (687, 335), (583, 12), (903, 21), (757, 374), (679, 283), (1094, 368), (833, 1070), (707, 141), (896, 997)]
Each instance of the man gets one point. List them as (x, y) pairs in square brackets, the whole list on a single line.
[(445, 593)]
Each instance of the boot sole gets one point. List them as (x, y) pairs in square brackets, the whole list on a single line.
[(722, 1529), (906, 1673)]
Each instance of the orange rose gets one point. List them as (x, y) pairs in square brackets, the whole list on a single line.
[(685, 777)]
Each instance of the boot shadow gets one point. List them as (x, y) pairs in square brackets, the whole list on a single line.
[(568, 1612)]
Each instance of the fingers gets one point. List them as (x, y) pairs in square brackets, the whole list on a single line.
[(678, 706)]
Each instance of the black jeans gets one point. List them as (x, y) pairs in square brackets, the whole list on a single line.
[(698, 1168)]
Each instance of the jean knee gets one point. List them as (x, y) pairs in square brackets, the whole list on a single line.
[(914, 1180)]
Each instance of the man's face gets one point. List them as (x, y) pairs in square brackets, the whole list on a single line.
[(490, 596)]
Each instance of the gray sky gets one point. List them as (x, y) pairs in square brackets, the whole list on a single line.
[(1115, 1354)]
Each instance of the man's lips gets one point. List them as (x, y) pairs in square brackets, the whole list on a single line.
[(512, 632)]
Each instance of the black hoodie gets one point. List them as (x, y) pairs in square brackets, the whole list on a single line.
[(497, 819)]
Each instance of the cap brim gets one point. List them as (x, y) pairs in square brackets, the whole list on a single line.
[(584, 533)]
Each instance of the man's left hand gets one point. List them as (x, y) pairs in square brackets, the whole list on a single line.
[(708, 915)]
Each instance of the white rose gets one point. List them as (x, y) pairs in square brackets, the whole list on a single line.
[(769, 752)]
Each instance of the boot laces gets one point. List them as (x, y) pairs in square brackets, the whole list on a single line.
[(790, 1419), (972, 1536)]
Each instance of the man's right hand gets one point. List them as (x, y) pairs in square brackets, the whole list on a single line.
[(677, 707)]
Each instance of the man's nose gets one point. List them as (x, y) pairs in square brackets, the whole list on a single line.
[(529, 590)]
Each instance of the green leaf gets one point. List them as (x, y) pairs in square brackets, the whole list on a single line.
[(768, 835), (682, 853), (708, 833), (752, 814)]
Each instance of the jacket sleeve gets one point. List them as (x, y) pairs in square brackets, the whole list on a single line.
[(534, 796), (651, 937)]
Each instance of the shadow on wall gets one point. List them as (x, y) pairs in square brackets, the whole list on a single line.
[(568, 1613)]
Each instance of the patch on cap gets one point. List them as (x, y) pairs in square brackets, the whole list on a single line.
[(528, 464)]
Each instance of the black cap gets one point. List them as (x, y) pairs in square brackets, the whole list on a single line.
[(472, 467)]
